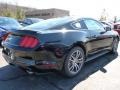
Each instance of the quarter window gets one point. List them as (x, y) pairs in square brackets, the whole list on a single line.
[(76, 25)]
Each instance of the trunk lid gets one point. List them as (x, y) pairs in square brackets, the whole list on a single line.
[(20, 39)]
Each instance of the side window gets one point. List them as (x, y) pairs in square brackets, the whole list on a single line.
[(93, 25)]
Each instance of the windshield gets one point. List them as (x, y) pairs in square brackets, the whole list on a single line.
[(50, 24), (8, 21)]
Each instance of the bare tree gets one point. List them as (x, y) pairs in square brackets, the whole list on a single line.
[(11, 11)]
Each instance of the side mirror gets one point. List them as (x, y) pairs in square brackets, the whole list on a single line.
[(108, 28)]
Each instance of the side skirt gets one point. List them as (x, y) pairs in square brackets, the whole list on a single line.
[(91, 57)]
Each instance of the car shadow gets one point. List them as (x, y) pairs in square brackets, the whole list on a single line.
[(15, 78)]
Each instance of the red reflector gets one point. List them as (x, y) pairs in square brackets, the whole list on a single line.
[(29, 42)]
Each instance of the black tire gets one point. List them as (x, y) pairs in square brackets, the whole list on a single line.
[(115, 46), (72, 63)]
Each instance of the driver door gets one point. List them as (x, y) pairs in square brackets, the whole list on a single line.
[(99, 37)]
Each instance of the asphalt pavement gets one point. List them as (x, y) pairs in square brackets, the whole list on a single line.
[(100, 74)]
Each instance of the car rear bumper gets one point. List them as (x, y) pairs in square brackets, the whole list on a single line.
[(25, 62)]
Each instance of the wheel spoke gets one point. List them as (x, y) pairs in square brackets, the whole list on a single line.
[(72, 60), (77, 54), (80, 60), (77, 67), (71, 68), (73, 57), (70, 64)]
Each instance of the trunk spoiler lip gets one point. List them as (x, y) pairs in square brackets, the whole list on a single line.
[(24, 32)]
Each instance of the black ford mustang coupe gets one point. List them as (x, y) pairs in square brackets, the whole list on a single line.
[(62, 44)]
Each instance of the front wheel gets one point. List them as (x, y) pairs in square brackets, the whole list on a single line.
[(115, 46), (74, 62)]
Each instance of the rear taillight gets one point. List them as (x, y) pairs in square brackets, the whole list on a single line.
[(29, 42)]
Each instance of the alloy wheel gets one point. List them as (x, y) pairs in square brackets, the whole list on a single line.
[(115, 45), (75, 62)]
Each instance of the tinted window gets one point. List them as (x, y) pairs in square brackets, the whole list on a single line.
[(27, 21), (69, 26), (50, 24), (93, 25)]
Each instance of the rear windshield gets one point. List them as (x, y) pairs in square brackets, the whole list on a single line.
[(51, 24)]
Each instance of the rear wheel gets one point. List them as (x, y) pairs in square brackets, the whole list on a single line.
[(74, 62), (115, 46)]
